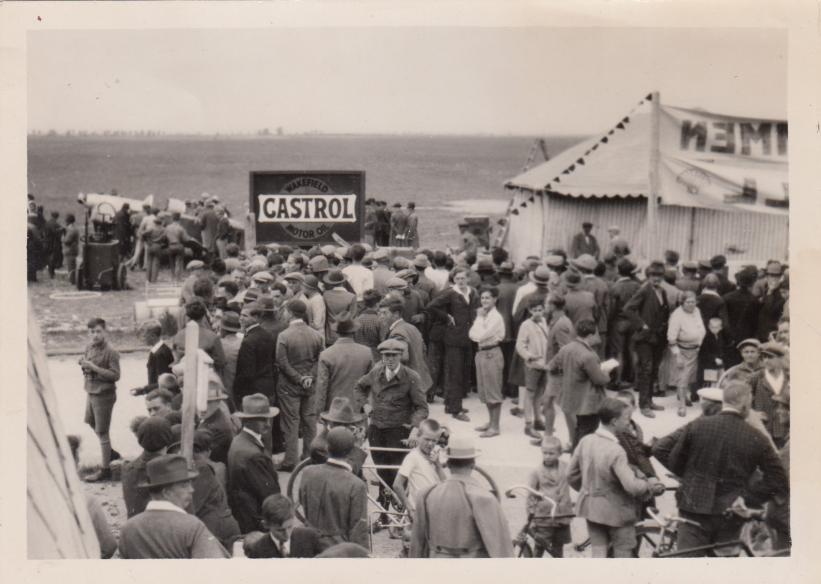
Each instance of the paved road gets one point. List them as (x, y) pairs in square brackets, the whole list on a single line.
[(508, 458)]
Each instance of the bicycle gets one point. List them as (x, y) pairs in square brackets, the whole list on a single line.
[(524, 543)]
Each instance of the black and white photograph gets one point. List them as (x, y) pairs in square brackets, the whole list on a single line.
[(368, 290)]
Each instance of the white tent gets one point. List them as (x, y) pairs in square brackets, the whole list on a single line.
[(716, 192)]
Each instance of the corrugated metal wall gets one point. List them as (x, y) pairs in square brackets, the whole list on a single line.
[(755, 236)]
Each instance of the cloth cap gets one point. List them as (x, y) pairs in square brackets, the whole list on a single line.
[(715, 394), (421, 261), (396, 283), (748, 343), (775, 269), (318, 264), (295, 276), (195, 265), (328, 250), (263, 277), (690, 265), (773, 349), (154, 433), (391, 346)]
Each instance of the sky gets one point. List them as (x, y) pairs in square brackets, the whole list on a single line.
[(533, 81)]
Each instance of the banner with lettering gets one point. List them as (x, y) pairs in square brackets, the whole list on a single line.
[(723, 162)]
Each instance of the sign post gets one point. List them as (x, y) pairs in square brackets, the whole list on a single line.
[(189, 391), (653, 195)]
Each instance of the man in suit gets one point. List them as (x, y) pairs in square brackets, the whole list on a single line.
[(413, 227), (649, 311), (335, 501), (584, 242), (283, 537), (609, 490), (341, 365), (619, 339), (255, 360), (580, 303), (583, 381), (716, 457), (586, 265), (560, 332), (339, 303), (209, 341), (381, 272), (395, 404), (251, 474), (457, 307), (458, 518), (390, 313), (297, 356)]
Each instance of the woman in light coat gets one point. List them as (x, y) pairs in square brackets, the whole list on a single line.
[(685, 332)]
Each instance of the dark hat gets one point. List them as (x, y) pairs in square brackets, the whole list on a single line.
[(203, 440), (230, 321), (391, 346), (334, 278), (167, 470), (401, 263), (346, 326), (421, 261), (251, 295), (774, 269), (266, 304), (690, 266), (485, 266), (554, 261), (587, 224), (705, 264), (655, 269), (341, 412), (297, 308), (505, 269), (626, 265), (256, 406), (773, 349), (718, 261), (311, 281), (572, 279), (154, 433)]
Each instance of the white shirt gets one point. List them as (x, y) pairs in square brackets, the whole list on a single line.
[(284, 547), (465, 294), (420, 473), (339, 462), (438, 276), (521, 292), (255, 436), (776, 380), (156, 505), (316, 313), (488, 330), (360, 278), (686, 328), (389, 373)]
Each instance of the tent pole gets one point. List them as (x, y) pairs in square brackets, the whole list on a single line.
[(652, 198)]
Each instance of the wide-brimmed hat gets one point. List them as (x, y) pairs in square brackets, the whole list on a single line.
[(485, 266), (311, 282), (585, 262), (773, 349), (715, 394), (251, 295), (554, 261), (318, 264), (775, 269), (346, 326), (461, 448), (266, 304), (334, 278), (295, 276), (341, 412), (421, 261), (540, 275), (379, 254), (230, 321), (391, 346), (262, 277), (167, 470), (256, 406), (216, 390), (395, 283), (195, 265), (505, 269)]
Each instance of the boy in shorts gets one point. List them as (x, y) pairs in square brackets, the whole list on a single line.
[(531, 345), (488, 332), (101, 368), (550, 479)]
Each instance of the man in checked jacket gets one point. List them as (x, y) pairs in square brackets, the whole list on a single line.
[(716, 457)]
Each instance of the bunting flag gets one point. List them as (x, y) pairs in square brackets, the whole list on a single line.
[(515, 211), (620, 125), (571, 168), (649, 97), (626, 119), (557, 179), (611, 132), (532, 199), (594, 146), (565, 171), (580, 161), (604, 140)]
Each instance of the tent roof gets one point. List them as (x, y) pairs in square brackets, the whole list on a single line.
[(616, 164)]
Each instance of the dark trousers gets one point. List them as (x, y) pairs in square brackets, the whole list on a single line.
[(585, 425), (648, 358), (436, 366), (458, 362), (508, 389), (297, 416), (387, 438), (619, 347), (713, 529)]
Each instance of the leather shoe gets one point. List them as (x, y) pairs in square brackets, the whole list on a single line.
[(104, 474), (656, 407), (462, 417), (529, 431), (648, 413), (539, 425), (518, 412), (536, 442), (115, 455)]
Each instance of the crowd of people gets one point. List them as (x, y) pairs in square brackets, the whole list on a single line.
[(335, 354)]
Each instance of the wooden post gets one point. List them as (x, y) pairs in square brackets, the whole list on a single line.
[(692, 240), (189, 391), (652, 197)]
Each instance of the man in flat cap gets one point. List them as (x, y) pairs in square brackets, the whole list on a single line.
[(750, 365), (392, 395), (251, 474), (771, 392), (458, 518), (584, 242), (154, 436), (165, 530)]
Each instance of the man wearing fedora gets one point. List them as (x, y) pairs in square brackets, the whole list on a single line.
[(251, 474), (341, 414), (619, 338), (165, 530), (390, 313), (335, 501), (297, 357), (580, 303), (392, 395), (459, 518), (341, 365), (586, 265), (339, 303), (231, 343), (584, 242)]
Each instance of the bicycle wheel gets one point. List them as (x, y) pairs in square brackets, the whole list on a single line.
[(292, 490), (758, 537), (522, 549), (493, 487)]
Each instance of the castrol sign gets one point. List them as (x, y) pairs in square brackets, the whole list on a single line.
[(306, 208)]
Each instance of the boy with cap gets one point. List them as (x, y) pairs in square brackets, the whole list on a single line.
[(165, 530), (154, 436)]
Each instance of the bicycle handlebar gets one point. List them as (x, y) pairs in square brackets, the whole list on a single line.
[(511, 494)]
